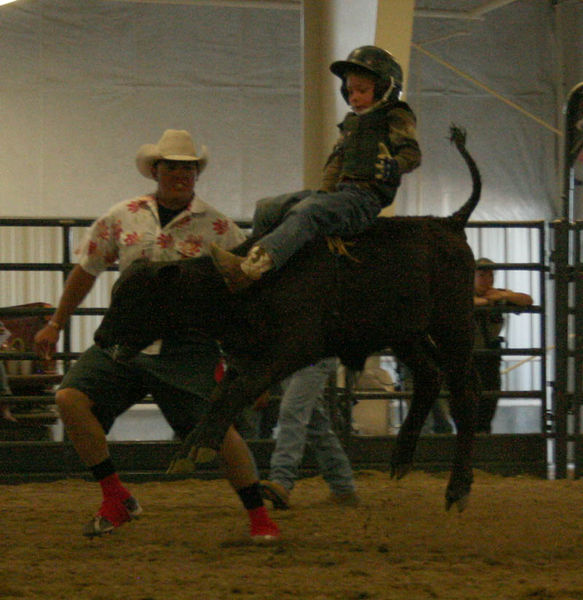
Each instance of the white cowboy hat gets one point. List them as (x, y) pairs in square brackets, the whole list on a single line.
[(173, 145)]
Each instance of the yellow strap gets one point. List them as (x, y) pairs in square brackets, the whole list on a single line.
[(337, 245)]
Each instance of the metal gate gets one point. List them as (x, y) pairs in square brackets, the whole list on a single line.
[(568, 313)]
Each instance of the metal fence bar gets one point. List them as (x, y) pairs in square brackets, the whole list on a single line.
[(566, 255)]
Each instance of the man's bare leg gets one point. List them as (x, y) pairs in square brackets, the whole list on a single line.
[(242, 474), (88, 438), (83, 429)]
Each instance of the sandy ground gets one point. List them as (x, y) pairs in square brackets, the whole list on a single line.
[(520, 538)]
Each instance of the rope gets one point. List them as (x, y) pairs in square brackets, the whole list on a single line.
[(337, 245), (488, 89)]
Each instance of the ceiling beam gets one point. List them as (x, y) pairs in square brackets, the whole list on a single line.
[(272, 4), (474, 14)]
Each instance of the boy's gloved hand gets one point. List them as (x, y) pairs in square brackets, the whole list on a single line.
[(387, 168)]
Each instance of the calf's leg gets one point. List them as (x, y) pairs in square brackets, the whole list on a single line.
[(463, 401), (426, 385), (455, 346), (234, 393)]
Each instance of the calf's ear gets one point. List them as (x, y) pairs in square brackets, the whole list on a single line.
[(167, 274)]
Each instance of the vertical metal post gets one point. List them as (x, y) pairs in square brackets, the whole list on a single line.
[(573, 147), (560, 390), (66, 240), (542, 277), (578, 331), (565, 256)]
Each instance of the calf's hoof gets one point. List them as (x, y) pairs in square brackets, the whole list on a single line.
[(460, 503), (458, 493), (398, 471), (181, 465), (201, 456)]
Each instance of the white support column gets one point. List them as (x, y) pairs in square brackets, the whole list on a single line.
[(331, 29), (394, 31), (313, 105)]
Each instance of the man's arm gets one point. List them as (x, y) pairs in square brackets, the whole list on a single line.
[(77, 286), (494, 295)]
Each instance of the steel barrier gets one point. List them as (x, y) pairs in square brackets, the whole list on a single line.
[(510, 453)]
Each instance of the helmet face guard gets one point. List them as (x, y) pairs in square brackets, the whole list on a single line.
[(373, 61)]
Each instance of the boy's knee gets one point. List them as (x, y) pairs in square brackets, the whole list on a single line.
[(264, 204), (270, 210), (266, 213)]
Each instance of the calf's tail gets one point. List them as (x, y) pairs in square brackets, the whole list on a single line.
[(461, 216)]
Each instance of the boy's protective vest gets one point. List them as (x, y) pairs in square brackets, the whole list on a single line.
[(361, 137)]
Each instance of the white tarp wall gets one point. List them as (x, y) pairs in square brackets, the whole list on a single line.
[(514, 52), (505, 78), (86, 82)]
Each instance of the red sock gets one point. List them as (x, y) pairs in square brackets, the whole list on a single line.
[(113, 489), (261, 523), (114, 494), (114, 511)]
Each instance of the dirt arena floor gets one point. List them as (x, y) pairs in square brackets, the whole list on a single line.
[(521, 538)]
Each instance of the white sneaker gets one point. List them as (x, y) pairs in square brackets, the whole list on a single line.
[(256, 263)]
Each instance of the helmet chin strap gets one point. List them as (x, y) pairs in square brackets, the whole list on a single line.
[(384, 98), (387, 94), (392, 88)]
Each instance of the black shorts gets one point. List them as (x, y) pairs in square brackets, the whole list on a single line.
[(114, 387)]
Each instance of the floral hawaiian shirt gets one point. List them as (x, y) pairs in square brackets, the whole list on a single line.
[(131, 230)]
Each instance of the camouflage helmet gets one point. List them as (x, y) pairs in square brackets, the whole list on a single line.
[(375, 61)]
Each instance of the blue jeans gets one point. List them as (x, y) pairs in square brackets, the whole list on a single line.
[(346, 212), (304, 417), (271, 210)]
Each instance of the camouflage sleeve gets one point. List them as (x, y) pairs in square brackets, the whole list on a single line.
[(332, 168), (403, 136)]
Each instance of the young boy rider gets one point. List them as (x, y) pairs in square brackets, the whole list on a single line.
[(377, 145)]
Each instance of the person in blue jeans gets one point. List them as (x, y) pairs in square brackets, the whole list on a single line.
[(305, 418)]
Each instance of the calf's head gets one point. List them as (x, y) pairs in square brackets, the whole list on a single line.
[(139, 310), (156, 300)]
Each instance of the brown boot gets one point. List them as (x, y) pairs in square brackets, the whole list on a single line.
[(275, 493), (229, 266)]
